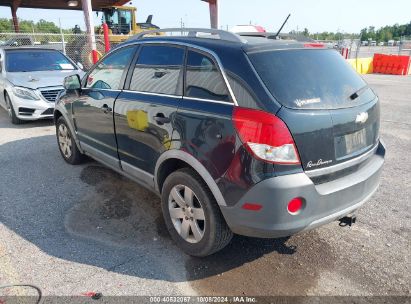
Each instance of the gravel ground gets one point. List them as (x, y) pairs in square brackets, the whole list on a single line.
[(74, 229)]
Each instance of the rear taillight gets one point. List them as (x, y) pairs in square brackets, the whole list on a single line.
[(265, 136)]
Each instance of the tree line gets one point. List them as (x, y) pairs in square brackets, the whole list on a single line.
[(383, 34), (394, 32), (28, 26)]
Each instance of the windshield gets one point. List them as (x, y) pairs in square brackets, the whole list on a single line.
[(310, 79), (119, 21), (36, 60)]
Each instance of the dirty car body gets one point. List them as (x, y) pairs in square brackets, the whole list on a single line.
[(284, 136)]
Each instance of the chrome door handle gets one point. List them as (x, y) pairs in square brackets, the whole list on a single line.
[(106, 109), (161, 119)]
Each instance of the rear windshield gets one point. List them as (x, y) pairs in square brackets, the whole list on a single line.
[(36, 60), (310, 79)]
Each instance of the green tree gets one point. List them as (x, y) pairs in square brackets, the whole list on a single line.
[(5, 25), (44, 26)]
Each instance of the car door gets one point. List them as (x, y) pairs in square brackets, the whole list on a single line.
[(144, 113), (93, 109), (203, 124)]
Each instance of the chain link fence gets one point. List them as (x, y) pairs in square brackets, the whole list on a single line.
[(357, 50), (75, 46), (401, 47)]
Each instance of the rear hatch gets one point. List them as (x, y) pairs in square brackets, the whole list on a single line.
[(332, 114)]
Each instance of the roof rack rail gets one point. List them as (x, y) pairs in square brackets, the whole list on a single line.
[(192, 32)]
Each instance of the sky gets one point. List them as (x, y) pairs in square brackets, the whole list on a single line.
[(348, 16)]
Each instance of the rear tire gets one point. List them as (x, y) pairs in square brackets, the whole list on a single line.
[(192, 215), (12, 114), (66, 143)]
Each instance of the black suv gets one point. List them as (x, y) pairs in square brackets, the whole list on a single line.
[(246, 135)]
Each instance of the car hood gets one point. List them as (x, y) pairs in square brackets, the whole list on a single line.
[(35, 80)]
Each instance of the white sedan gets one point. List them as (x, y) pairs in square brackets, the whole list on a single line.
[(30, 81)]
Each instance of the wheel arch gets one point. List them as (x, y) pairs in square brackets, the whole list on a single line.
[(171, 160), (57, 114)]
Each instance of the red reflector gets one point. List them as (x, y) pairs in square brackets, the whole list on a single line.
[(252, 206), (295, 205), (313, 45)]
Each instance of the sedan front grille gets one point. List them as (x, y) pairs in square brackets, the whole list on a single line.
[(50, 95)]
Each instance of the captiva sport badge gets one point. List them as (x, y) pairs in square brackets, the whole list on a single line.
[(319, 162)]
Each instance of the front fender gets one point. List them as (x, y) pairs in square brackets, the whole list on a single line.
[(65, 109)]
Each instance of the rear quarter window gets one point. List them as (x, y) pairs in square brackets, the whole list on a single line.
[(310, 79), (203, 79)]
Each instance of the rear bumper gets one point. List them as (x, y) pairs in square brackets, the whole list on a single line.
[(324, 203)]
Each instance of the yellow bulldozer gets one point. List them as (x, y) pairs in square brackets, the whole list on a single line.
[(121, 21), (122, 24)]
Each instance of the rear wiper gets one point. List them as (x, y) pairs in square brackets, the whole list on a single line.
[(357, 93)]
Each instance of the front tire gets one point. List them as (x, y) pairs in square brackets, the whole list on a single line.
[(192, 215), (12, 114), (66, 143)]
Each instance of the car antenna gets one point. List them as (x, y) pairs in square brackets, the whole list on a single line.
[(279, 31)]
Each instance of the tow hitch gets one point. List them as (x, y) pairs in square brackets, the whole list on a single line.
[(348, 220)]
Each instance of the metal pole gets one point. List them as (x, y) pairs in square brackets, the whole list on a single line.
[(88, 18), (106, 37), (14, 6), (214, 13), (62, 38), (213, 4)]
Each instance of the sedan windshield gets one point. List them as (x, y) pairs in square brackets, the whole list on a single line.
[(36, 60)]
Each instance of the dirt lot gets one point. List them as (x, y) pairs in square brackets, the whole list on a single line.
[(70, 230)]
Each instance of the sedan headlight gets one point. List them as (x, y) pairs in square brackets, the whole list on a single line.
[(25, 93)]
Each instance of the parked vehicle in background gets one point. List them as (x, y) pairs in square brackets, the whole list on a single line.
[(31, 79), (248, 135), (373, 43), (248, 28), (364, 43), (381, 43), (390, 43), (18, 41)]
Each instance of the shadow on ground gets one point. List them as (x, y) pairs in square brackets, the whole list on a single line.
[(93, 216), (28, 124)]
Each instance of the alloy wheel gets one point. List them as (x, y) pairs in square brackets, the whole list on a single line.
[(187, 213), (65, 142)]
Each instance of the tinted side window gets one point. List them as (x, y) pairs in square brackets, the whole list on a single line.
[(203, 79), (107, 74), (158, 70)]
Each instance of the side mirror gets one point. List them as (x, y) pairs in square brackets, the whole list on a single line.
[(72, 83)]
